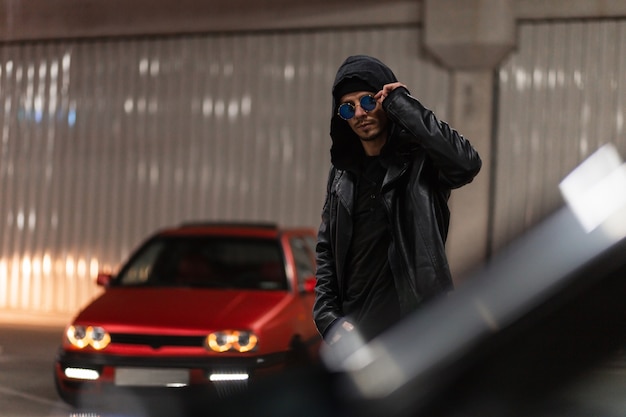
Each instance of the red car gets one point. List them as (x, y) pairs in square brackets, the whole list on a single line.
[(205, 307)]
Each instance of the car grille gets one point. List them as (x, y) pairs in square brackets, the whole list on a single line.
[(157, 341)]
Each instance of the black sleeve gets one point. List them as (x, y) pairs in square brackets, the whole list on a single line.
[(453, 156)]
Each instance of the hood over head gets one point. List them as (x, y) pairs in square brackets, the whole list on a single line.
[(356, 73)]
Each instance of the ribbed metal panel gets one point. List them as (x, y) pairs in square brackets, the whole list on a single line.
[(562, 95), (105, 141)]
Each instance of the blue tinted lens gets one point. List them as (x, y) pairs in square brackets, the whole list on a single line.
[(346, 111), (368, 103)]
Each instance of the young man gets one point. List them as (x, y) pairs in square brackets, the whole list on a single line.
[(380, 249)]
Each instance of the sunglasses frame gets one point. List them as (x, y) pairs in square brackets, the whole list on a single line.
[(353, 107)]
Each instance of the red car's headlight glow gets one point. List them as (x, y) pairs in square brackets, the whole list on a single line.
[(83, 336), (231, 340)]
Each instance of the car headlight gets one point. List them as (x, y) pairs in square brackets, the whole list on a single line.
[(83, 336), (231, 340)]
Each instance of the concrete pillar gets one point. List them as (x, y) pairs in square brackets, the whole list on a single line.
[(469, 34), (470, 38), (472, 103)]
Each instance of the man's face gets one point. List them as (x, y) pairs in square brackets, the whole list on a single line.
[(368, 126)]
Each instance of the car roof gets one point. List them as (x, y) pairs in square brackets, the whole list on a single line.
[(249, 229)]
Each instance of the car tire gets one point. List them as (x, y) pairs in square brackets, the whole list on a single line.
[(298, 354), (69, 398)]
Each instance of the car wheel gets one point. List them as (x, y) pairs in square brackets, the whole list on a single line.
[(69, 398), (298, 354)]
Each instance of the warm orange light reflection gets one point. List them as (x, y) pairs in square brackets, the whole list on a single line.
[(41, 282)]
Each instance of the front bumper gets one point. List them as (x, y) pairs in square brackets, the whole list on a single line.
[(82, 373)]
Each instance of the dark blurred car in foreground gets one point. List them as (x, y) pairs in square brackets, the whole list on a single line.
[(197, 309), (539, 331)]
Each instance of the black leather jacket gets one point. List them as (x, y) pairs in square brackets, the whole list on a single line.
[(425, 159)]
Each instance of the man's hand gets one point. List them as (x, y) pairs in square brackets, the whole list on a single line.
[(387, 88), (342, 342), (339, 331)]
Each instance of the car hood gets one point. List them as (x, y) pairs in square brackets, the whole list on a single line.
[(181, 309)]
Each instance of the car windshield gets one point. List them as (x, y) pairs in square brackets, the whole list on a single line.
[(206, 262)]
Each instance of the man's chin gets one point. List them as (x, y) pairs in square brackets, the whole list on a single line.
[(370, 137)]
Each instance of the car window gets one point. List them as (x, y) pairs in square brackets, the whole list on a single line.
[(207, 262), (311, 243), (303, 257), (142, 266)]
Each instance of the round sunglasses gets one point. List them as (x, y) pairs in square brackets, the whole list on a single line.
[(347, 110)]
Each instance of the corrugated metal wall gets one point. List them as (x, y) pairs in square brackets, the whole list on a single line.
[(561, 96), (104, 142)]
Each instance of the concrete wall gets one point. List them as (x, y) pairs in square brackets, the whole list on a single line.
[(62, 19)]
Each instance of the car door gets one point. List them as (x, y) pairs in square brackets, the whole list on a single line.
[(301, 258)]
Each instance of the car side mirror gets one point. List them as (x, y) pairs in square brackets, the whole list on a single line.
[(104, 279), (309, 284)]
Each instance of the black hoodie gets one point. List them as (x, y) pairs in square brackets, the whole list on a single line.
[(346, 150)]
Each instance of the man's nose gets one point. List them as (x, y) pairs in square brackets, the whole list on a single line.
[(359, 112)]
